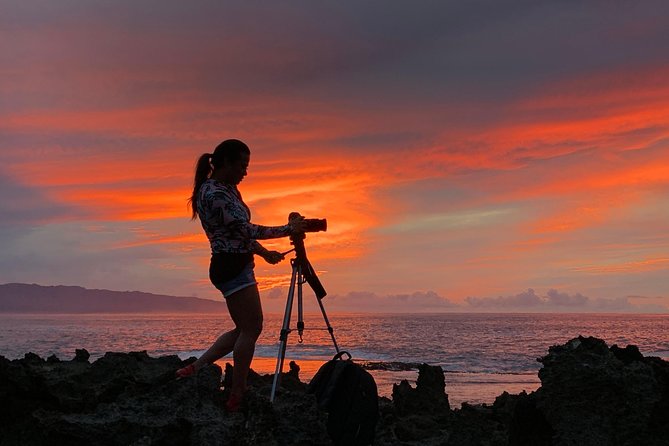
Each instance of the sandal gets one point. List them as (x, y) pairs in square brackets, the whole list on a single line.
[(185, 372)]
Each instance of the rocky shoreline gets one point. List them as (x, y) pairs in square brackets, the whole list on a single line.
[(590, 394)]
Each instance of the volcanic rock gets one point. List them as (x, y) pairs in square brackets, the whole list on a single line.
[(134, 399), (590, 395), (593, 395)]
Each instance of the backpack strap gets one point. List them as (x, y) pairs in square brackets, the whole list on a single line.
[(324, 383), (342, 353)]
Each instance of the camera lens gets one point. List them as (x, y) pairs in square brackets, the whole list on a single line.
[(315, 224)]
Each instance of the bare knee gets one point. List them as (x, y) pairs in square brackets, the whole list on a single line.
[(250, 329), (254, 330), (235, 332)]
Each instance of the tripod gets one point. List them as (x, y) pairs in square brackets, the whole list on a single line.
[(302, 272)]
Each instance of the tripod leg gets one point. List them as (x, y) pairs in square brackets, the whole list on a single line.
[(327, 323), (300, 309), (285, 330)]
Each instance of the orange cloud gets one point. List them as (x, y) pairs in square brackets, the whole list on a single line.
[(184, 240), (128, 203), (605, 92), (267, 282), (637, 266)]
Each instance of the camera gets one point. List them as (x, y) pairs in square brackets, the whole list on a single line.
[(311, 224)]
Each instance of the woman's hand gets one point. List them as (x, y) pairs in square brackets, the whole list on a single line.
[(272, 257)]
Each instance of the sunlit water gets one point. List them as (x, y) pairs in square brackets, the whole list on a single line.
[(482, 354)]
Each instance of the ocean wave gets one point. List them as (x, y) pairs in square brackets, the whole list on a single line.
[(660, 354)]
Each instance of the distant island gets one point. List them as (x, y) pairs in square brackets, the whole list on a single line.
[(33, 298)]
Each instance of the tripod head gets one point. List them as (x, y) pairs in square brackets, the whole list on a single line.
[(297, 240)]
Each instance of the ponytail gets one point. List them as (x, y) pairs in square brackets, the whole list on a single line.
[(228, 150), (202, 172)]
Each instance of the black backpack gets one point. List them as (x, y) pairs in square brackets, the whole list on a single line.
[(349, 395)]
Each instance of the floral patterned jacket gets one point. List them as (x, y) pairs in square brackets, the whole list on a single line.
[(226, 220)]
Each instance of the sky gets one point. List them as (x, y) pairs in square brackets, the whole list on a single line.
[(468, 155)]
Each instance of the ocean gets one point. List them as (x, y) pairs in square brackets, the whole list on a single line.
[(482, 355)]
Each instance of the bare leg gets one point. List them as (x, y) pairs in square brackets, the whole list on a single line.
[(221, 347), (246, 311)]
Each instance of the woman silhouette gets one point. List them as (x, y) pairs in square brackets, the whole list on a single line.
[(225, 218)]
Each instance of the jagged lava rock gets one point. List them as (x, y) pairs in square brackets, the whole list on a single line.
[(429, 396), (134, 399), (421, 413), (593, 395), (590, 395)]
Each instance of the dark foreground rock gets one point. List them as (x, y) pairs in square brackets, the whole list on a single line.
[(590, 395)]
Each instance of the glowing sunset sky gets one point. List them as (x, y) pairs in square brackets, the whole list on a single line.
[(468, 155)]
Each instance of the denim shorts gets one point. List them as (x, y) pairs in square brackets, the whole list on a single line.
[(243, 280)]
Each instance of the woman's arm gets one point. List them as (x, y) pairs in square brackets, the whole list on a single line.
[(271, 257), (234, 216)]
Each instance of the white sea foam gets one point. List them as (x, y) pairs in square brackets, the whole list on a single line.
[(661, 354)]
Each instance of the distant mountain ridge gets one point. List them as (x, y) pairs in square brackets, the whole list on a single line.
[(33, 298)]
